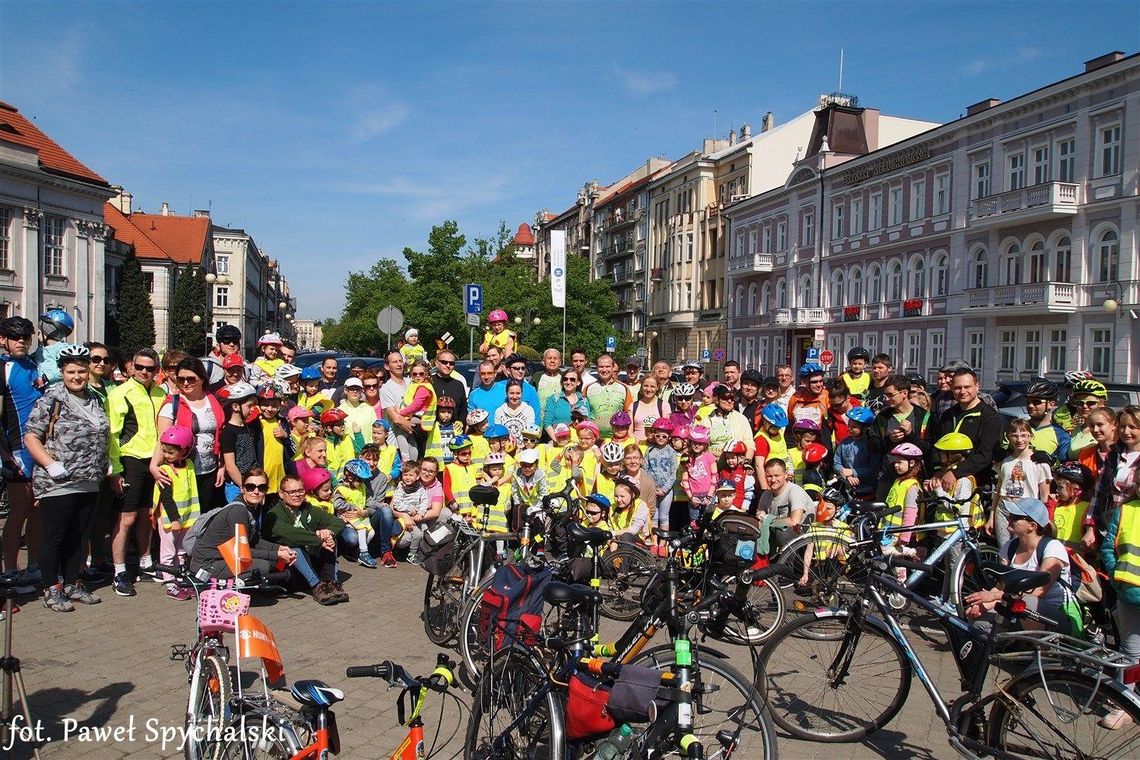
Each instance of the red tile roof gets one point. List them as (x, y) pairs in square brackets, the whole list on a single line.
[(524, 236), (182, 239), (15, 128)]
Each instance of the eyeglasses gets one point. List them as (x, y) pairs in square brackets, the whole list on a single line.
[(187, 379), (228, 341), (371, 385), (446, 362), (251, 487), (145, 368), (96, 359), (294, 492), (1087, 404)]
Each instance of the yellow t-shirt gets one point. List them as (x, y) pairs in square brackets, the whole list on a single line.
[(505, 340), (274, 454)]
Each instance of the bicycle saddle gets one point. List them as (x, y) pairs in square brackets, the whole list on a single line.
[(589, 536), (565, 593), (867, 507), (316, 693), (1015, 581)]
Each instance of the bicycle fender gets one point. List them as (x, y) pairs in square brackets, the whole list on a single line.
[(872, 620), (1033, 673), (668, 649)]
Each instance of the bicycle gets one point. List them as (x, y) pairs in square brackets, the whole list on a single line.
[(825, 671)]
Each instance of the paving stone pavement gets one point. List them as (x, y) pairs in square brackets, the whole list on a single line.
[(108, 666)]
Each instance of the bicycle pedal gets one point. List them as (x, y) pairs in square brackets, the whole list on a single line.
[(179, 651)]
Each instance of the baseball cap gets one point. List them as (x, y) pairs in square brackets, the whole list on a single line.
[(298, 413), (354, 382), (725, 485), (528, 456), (358, 364), (1034, 509), (633, 361), (232, 360), (561, 429)]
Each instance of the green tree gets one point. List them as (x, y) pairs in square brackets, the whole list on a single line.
[(135, 314), (186, 302)]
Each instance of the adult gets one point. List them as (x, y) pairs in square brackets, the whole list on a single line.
[(227, 340), (311, 532), (977, 421), (98, 548), (402, 434), (1119, 479), (750, 402), (548, 381), (581, 364), (881, 368), (329, 385), (783, 499), (248, 511), (810, 402), (725, 424), (372, 380), (98, 370), (361, 414), (664, 374), (1085, 395), (607, 396), (899, 422), (633, 373), (199, 411), (437, 511), (516, 370), (448, 382), (495, 355), (693, 374), (133, 408), (169, 366), (1048, 437), (1120, 559), (487, 394), (732, 374), (784, 384), (559, 409), (356, 368), (288, 351), (67, 436), (647, 406), (20, 388), (943, 397)]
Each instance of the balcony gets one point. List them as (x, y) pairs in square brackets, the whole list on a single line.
[(1053, 296), (798, 317), (1037, 202), (757, 262)]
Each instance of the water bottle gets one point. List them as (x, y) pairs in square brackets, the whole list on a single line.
[(746, 550), (614, 745)]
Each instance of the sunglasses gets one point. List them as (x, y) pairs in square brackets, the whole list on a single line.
[(228, 342), (98, 359), (570, 380), (145, 368), (445, 362), (1088, 404), (593, 512), (251, 487), (170, 368), (187, 379), (371, 385)]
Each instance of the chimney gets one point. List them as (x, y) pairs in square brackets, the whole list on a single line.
[(732, 137), (745, 132), (982, 105), (768, 123), (1103, 60), (122, 200), (202, 213), (165, 211)]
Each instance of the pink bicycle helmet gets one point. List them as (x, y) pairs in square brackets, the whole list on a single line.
[(662, 424), (315, 478), (177, 436), (699, 434), (498, 315)]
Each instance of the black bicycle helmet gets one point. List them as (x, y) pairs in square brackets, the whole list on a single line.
[(752, 376), (858, 353), (1075, 472), (228, 333), (1042, 389), (17, 327), (833, 495)]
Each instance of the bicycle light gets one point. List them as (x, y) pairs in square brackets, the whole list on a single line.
[(1017, 607)]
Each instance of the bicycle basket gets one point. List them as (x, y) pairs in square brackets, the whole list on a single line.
[(436, 546), (734, 531), (218, 609)]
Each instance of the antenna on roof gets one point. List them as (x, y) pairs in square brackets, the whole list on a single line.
[(840, 88), (714, 124)]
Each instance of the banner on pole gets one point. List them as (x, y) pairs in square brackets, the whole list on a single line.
[(558, 268)]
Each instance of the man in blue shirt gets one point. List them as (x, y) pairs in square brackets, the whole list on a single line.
[(489, 393), (20, 387)]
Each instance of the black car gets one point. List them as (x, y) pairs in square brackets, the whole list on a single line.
[(303, 360)]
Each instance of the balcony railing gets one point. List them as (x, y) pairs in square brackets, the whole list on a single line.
[(798, 317), (757, 262), (1060, 294), (1045, 199)]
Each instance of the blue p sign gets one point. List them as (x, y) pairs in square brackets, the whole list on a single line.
[(473, 299), (611, 343)]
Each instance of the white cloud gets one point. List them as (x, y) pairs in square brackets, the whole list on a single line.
[(430, 199), (1020, 55), (376, 121), (645, 82)]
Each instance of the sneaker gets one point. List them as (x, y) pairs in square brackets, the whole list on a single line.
[(18, 582), (338, 592), (388, 559), (324, 594), (148, 571), (1115, 720), (97, 571), (55, 600), (77, 592), (33, 576), (366, 559), (414, 558), (122, 585), (181, 593)]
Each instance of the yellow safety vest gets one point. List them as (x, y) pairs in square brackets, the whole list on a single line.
[(973, 511), (427, 417), (273, 454), (339, 452), (857, 386), (269, 366), (777, 449), (318, 504), (1069, 520), (461, 479), (826, 543), (501, 340), (494, 519), (1127, 568), (413, 353), (550, 460), (896, 497), (438, 439), (604, 485), (184, 490), (479, 450), (356, 497)]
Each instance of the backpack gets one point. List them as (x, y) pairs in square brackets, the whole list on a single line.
[(1076, 569), (513, 598), (435, 548), (190, 538)]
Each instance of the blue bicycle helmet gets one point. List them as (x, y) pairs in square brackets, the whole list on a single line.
[(384, 424), (774, 414), (496, 431), (860, 414), (56, 324), (810, 368), (312, 372), (358, 469)]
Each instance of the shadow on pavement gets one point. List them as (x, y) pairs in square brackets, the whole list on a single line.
[(50, 706)]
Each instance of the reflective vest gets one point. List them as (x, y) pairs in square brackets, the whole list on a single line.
[(494, 519), (796, 457), (604, 485), (460, 479), (1069, 520), (777, 449), (504, 340), (438, 439), (896, 497), (318, 504), (412, 353), (621, 519), (857, 386), (825, 538), (356, 497), (184, 491), (269, 366), (589, 467), (972, 511), (479, 450), (427, 416), (339, 452), (1127, 570), (550, 460)]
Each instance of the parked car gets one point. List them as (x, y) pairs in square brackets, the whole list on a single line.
[(306, 358), (1010, 396)]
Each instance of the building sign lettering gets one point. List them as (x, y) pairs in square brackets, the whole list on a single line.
[(888, 164)]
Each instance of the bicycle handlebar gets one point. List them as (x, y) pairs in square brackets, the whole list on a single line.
[(440, 680), (256, 582)]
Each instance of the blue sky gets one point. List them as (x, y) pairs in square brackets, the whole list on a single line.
[(337, 133)]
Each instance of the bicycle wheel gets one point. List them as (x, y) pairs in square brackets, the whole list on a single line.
[(474, 638), (625, 571), (262, 736), (515, 687), (829, 583), (1064, 721), (725, 700), (761, 614), (810, 701), (208, 709), (443, 602), (967, 575)]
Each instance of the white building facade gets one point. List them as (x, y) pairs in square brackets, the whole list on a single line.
[(250, 292), (1006, 238)]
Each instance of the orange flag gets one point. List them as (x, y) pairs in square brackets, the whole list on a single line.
[(236, 551), (255, 640)]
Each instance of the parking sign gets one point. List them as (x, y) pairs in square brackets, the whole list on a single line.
[(611, 343), (813, 354), (473, 298)]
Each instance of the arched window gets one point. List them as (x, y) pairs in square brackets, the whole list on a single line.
[(781, 294), (1063, 259), (838, 288), (739, 298), (894, 282), (765, 297), (805, 293), (940, 277), (875, 285), (856, 287), (1011, 265), (979, 265), (916, 278), (1038, 264), (751, 299), (1108, 256)]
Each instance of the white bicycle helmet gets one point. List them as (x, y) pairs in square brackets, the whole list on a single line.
[(612, 453), (286, 371), (685, 390)]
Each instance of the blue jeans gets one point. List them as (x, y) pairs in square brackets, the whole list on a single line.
[(303, 566), (384, 523)]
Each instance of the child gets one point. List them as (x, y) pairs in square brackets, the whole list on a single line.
[(273, 434), (319, 489), (811, 477), (804, 433), (514, 415), (906, 459), (498, 335), (839, 409), (493, 518), (1019, 477), (824, 550), (1073, 482), (476, 425), (341, 446), (409, 505), (854, 461), (661, 462), (378, 486), (725, 498), (528, 486), (350, 503), (241, 444), (857, 383), (498, 441), (597, 513), (446, 427), (609, 470), (311, 397), (270, 347), (732, 468), (412, 351), (587, 469), (529, 437), (769, 439), (679, 510), (699, 477), (177, 503), (458, 476), (300, 430), (629, 517), (949, 451), (622, 426), (553, 460), (388, 458)]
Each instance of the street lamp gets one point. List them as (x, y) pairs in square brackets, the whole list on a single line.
[(537, 321), (211, 278), (518, 320), (196, 319)]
